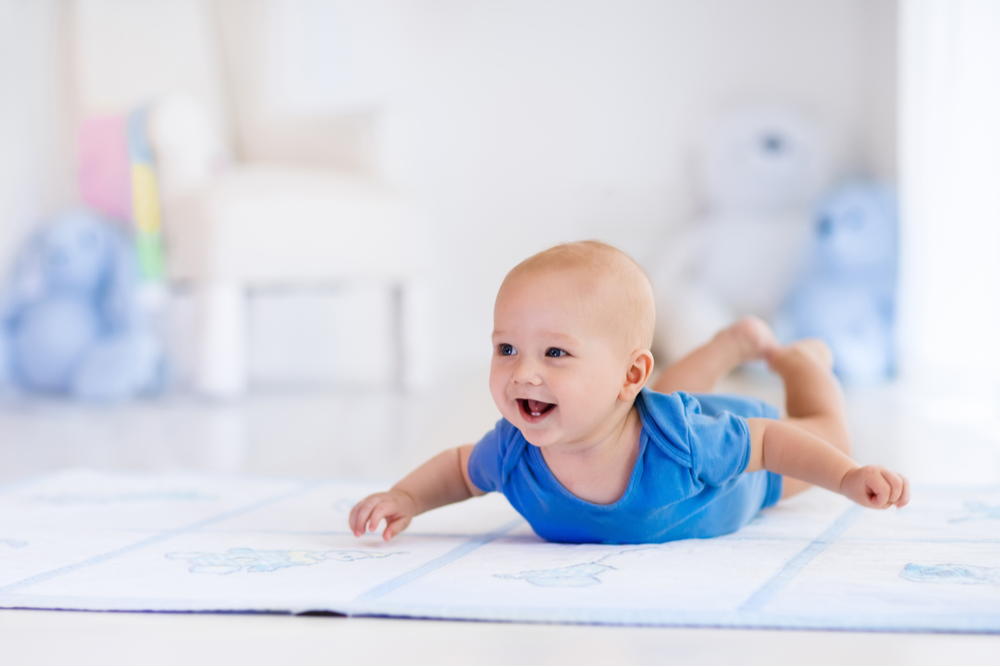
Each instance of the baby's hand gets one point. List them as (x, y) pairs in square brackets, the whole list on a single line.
[(876, 487), (396, 507)]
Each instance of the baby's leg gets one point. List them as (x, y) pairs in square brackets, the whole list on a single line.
[(746, 340), (814, 400)]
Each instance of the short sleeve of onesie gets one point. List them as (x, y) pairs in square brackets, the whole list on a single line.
[(486, 461), (706, 432), (719, 443)]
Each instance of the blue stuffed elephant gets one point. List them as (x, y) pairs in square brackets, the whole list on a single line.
[(70, 318), (846, 294)]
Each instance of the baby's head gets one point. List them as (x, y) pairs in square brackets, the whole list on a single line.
[(572, 331)]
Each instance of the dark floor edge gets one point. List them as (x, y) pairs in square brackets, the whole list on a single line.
[(988, 624)]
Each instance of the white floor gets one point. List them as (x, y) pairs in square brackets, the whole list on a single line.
[(939, 437)]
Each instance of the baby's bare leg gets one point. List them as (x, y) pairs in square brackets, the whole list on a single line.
[(814, 400), (746, 340)]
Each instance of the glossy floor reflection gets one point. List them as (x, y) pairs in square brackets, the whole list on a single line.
[(935, 438)]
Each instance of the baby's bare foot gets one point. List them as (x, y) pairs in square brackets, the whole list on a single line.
[(752, 338), (813, 349)]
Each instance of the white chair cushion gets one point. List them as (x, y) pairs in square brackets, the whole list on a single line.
[(258, 224)]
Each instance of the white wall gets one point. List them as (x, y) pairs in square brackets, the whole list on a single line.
[(520, 124), (950, 286), (126, 54), (513, 124), (37, 177)]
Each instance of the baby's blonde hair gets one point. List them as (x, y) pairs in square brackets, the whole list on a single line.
[(611, 267)]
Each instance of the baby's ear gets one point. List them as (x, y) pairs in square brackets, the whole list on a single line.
[(636, 375)]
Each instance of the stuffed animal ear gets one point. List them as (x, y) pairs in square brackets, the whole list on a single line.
[(27, 281), (763, 160)]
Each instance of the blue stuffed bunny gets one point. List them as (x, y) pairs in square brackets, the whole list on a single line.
[(70, 320), (847, 293)]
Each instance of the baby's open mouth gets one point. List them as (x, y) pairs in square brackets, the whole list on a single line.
[(533, 410)]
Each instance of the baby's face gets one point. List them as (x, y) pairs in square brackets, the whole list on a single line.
[(559, 361)]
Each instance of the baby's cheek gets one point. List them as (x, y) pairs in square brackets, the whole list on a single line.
[(497, 386), (499, 395), (590, 404), (586, 391)]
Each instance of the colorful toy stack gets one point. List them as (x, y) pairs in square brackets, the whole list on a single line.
[(117, 178)]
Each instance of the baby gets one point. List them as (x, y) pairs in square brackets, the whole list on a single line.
[(587, 454)]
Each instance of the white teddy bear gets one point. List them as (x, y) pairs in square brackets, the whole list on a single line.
[(761, 171)]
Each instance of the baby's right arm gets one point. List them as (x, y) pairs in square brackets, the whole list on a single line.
[(441, 481)]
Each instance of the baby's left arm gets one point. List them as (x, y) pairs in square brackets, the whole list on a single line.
[(788, 450), (441, 481)]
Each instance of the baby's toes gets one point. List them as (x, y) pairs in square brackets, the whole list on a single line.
[(808, 349), (818, 350), (754, 338)]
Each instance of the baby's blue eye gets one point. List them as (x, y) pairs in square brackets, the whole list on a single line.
[(506, 350), (555, 352)]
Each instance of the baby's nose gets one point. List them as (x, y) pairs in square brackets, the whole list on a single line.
[(526, 373)]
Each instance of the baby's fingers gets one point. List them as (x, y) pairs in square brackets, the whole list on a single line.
[(383, 510), (395, 527), (353, 516), (878, 491), (895, 486), (904, 496), (359, 515)]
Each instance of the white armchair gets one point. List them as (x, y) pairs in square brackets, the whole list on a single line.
[(233, 227)]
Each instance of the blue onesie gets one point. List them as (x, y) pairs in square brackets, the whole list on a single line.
[(686, 482)]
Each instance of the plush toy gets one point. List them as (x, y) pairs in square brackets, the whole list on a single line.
[(847, 291), (760, 172), (71, 321)]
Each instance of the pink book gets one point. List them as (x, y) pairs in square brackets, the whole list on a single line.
[(105, 176)]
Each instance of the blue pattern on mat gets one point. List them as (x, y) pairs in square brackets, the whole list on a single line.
[(816, 562)]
